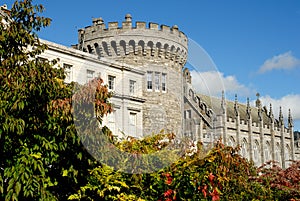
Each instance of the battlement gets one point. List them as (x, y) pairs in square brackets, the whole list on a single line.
[(161, 42)]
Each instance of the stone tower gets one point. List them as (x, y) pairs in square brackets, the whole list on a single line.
[(159, 51)]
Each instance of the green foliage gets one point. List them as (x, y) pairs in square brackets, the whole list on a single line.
[(41, 155)]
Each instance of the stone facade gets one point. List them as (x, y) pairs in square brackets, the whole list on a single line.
[(160, 52), (255, 129)]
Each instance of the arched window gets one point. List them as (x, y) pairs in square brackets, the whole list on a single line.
[(97, 48), (131, 46), (114, 47), (231, 141), (256, 153), (288, 155), (105, 48), (244, 148), (278, 153), (123, 47), (267, 152)]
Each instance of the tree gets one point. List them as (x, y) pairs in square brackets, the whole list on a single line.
[(42, 157)]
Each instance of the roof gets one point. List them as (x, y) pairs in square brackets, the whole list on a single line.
[(215, 104)]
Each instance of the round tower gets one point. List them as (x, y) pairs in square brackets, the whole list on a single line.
[(159, 51)]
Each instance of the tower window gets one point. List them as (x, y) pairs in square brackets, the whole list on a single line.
[(149, 80), (163, 82), (157, 75)]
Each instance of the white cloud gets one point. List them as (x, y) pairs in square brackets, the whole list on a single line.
[(214, 82), (287, 102), (284, 61)]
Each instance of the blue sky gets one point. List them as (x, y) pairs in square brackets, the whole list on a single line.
[(255, 45)]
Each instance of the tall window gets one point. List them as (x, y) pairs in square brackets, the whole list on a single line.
[(163, 82), (132, 124), (287, 155), (111, 82), (256, 153), (231, 141), (89, 75), (277, 153), (149, 80), (68, 72), (111, 120), (156, 77), (187, 114), (244, 149), (267, 152), (132, 84)]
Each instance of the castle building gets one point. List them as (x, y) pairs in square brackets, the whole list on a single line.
[(152, 91), (144, 67)]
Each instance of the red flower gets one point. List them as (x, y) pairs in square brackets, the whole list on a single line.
[(215, 195), (169, 180), (211, 177), (204, 191), (168, 193)]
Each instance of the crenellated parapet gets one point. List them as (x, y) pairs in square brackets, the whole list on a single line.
[(140, 42)]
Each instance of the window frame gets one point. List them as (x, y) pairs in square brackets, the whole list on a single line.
[(132, 86), (90, 75), (111, 80), (164, 82), (149, 80), (157, 81)]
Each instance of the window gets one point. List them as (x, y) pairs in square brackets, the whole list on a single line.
[(68, 72), (149, 80), (157, 75), (256, 153), (160, 81), (231, 142), (111, 82), (277, 153), (132, 87), (41, 60), (187, 114), (163, 82), (244, 148), (267, 152), (89, 75), (111, 120), (132, 124)]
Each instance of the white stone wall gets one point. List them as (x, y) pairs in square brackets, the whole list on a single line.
[(124, 102)]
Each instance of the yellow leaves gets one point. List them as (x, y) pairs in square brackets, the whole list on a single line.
[(37, 155), (65, 173)]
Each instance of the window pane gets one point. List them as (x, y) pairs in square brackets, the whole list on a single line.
[(132, 87), (149, 80), (68, 71), (132, 124), (89, 75), (163, 81), (111, 82), (157, 81)]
